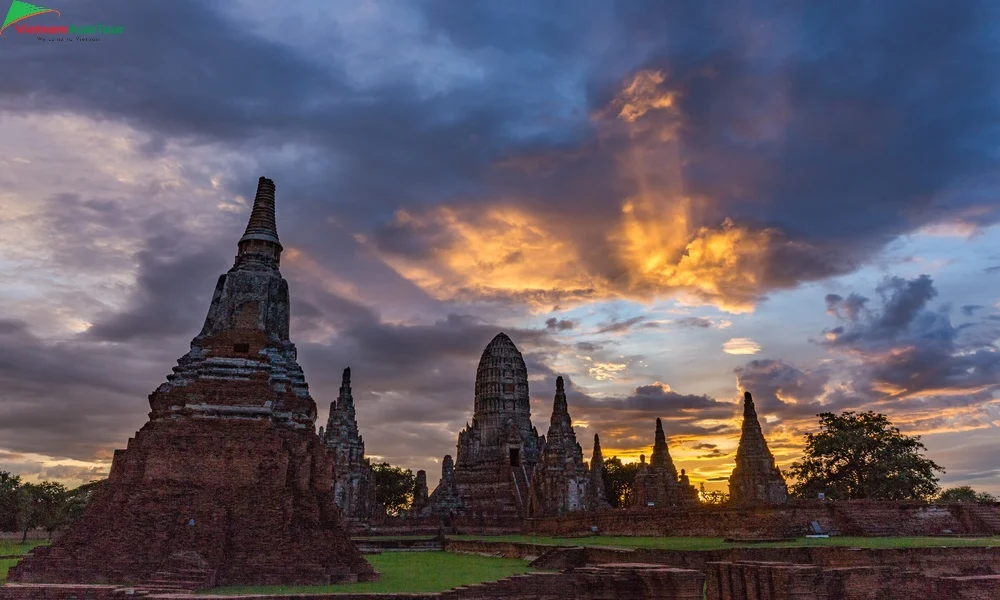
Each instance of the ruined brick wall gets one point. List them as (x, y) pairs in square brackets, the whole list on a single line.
[(624, 582), (790, 520)]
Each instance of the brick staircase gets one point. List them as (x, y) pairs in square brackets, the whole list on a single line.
[(988, 515), (869, 522), (177, 581)]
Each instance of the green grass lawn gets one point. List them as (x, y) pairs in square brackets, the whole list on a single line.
[(407, 572), (705, 543), (5, 564), (8, 547)]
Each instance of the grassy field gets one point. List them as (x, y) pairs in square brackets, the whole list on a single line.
[(8, 547), (407, 572), (704, 543), (5, 564)]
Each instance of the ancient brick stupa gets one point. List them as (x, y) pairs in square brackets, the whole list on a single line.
[(444, 501), (598, 498), (756, 479), (228, 477), (657, 484), (560, 483), (498, 452), (354, 480)]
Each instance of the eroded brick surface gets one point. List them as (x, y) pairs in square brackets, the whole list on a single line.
[(228, 477)]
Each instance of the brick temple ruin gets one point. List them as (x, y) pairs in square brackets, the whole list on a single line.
[(756, 478), (497, 454), (657, 482), (561, 481), (353, 480), (228, 480)]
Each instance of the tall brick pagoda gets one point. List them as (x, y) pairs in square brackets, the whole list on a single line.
[(598, 497), (756, 478), (657, 484), (228, 477), (498, 452), (353, 478), (560, 482)]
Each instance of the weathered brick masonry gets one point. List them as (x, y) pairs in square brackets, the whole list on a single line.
[(227, 482)]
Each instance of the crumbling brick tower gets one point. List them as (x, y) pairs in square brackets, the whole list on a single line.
[(561, 482), (353, 477), (228, 475), (756, 479)]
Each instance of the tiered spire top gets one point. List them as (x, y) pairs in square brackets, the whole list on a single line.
[(262, 224), (661, 454), (752, 441), (560, 420), (597, 459)]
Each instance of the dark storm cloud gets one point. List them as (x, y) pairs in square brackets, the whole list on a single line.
[(839, 127), (171, 294), (779, 127), (559, 324), (897, 356), (914, 349), (971, 309), (616, 326), (74, 398), (693, 322), (781, 389)]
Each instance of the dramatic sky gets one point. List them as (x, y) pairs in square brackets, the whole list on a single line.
[(666, 203)]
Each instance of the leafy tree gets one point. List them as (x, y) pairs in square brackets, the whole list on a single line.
[(393, 487), (44, 505), (964, 494), (618, 480), (76, 499), (861, 455), (714, 497), (10, 501)]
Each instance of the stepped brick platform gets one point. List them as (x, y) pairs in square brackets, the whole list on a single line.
[(614, 582), (228, 477)]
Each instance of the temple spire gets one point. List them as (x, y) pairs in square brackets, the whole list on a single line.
[(748, 408), (597, 498), (259, 245), (755, 479), (560, 409), (661, 454), (345, 400)]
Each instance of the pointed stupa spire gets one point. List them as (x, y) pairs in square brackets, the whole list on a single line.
[(560, 420), (661, 454), (748, 408), (262, 224), (751, 435), (259, 245), (597, 495), (756, 478)]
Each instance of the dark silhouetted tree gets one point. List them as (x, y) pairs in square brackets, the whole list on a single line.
[(964, 494), (862, 456), (714, 497), (393, 487), (77, 498), (618, 480), (10, 501)]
